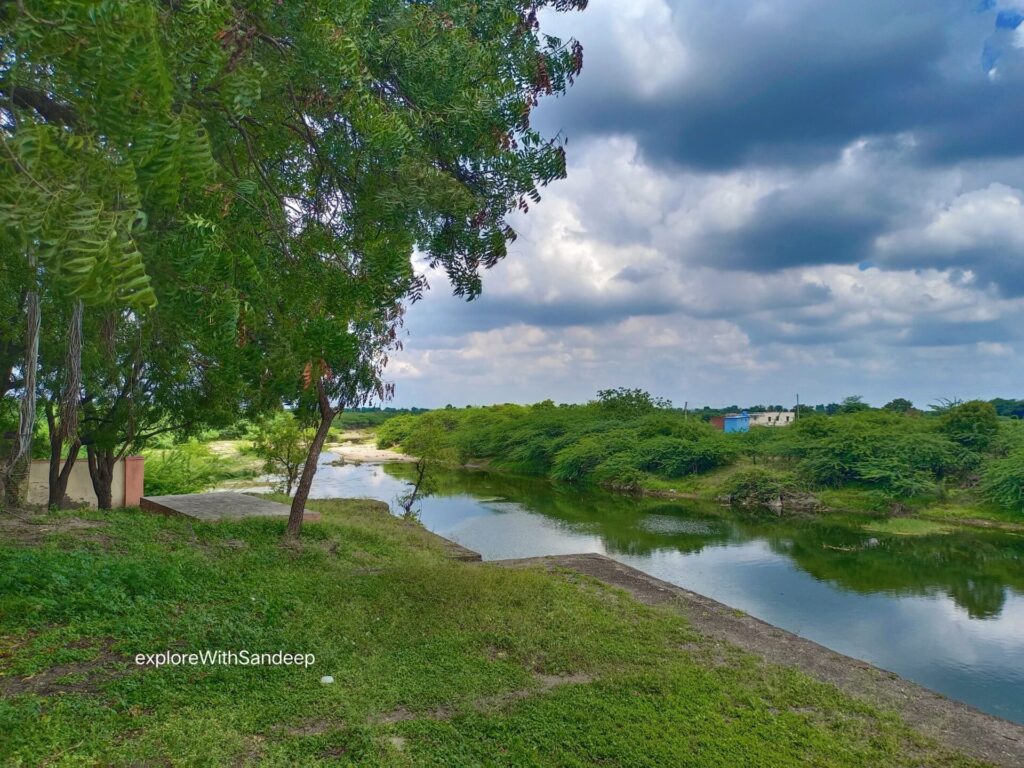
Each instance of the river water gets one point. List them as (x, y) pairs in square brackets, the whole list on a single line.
[(944, 610)]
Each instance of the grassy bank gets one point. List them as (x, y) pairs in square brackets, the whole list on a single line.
[(435, 662), (964, 464)]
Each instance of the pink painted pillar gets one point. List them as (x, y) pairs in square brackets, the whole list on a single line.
[(134, 474)]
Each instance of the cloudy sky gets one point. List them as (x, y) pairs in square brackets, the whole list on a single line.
[(765, 198)]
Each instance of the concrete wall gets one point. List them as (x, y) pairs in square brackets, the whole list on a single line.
[(772, 419), (126, 490)]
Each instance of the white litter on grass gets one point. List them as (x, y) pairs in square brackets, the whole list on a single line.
[(326, 679)]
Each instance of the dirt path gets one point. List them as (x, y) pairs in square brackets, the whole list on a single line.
[(951, 723)]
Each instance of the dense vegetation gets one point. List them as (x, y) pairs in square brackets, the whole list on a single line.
[(622, 443), (210, 209)]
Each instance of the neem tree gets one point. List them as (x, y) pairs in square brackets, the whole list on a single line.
[(97, 156), (295, 153), (352, 135)]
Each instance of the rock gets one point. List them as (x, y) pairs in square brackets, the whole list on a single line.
[(326, 679), (897, 509), (804, 502)]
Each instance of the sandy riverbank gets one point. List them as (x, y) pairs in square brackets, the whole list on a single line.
[(359, 446)]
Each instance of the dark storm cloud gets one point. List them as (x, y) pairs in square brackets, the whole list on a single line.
[(793, 85), (489, 312), (998, 266), (783, 235), (922, 331), (946, 333)]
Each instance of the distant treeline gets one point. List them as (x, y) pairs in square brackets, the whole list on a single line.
[(1004, 407), (627, 440), (363, 418)]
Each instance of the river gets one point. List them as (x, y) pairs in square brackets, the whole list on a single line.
[(943, 610)]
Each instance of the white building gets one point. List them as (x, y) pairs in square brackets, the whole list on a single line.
[(772, 419)]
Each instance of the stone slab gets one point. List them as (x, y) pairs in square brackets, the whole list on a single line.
[(210, 507)]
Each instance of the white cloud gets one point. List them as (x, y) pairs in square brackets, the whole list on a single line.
[(989, 218)]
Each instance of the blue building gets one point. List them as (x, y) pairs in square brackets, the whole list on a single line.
[(737, 422)]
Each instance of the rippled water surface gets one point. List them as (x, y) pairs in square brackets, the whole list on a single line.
[(946, 611)]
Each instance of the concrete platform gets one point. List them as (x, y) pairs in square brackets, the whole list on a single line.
[(210, 507)]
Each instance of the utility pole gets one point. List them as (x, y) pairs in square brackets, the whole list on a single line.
[(797, 414)]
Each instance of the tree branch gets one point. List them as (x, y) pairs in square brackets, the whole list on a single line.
[(40, 102)]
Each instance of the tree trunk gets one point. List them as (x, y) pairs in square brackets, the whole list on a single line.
[(327, 414), (67, 426), (11, 469), (60, 474), (101, 470), (72, 391)]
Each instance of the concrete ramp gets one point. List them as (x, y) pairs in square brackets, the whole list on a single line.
[(211, 507)]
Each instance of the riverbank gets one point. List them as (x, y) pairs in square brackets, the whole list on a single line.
[(957, 508), (961, 464), (359, 445), (434, 660)]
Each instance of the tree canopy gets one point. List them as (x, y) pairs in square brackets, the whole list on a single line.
[(255, 179)]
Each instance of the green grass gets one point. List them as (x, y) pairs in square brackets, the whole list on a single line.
[(436, 662), (965, 505), (907, 526)]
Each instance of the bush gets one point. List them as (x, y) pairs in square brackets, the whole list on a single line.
[(1011, 437), (974, 424), (619, 472), (240, 430), (576, 462), (1003, 481), (674, 457), (903, 455), (186, 468), (394, 431), (283, 444), (624, 440), (757, 485)]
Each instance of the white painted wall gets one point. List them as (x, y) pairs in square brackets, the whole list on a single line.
[(772, 419)]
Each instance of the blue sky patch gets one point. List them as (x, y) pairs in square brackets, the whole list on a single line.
[(1009, 19)]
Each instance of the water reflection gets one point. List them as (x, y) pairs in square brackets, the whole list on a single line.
[(944, 610)]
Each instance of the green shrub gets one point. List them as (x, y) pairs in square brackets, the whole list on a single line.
[(186, 468), (675, 457), (394, 431), (899, 453), (1003, 481), (1010, 438), (757, 485), (240, 430), (619, 472), (974, 424), (576, 462), (283, 443)]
